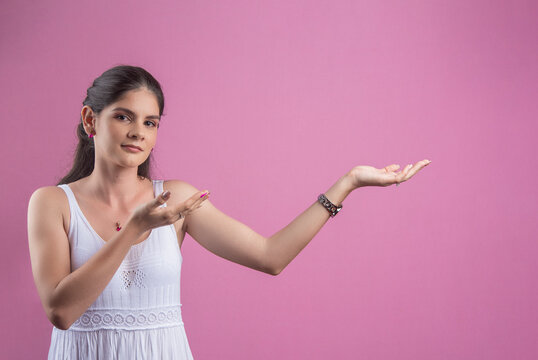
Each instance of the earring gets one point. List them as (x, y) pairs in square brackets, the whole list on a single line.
[(91, 135)]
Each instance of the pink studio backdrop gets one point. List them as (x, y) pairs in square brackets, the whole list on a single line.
[(267, 105)]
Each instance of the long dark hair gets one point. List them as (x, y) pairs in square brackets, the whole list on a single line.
[(105, 90)]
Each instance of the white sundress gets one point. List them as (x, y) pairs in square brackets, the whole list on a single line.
[(138, 315)]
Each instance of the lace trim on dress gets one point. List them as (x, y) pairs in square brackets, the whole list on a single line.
[(129, 319)]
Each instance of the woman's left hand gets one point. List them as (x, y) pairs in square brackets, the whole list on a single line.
[(370, 176)]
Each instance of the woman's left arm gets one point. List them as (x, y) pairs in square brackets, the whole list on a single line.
[(235, 241)]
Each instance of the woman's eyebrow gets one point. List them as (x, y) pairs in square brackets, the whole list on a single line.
[(157, 117)]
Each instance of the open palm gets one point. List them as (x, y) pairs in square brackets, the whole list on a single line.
[(364, 175)]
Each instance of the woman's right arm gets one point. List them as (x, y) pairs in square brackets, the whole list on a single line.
[(66, 295)]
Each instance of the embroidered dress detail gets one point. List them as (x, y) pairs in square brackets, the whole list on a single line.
[(128, 319), (135, 277)]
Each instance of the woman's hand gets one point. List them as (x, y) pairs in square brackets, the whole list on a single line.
[(151, 214), (370, 176)]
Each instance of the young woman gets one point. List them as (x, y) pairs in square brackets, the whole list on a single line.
[(105, 242)]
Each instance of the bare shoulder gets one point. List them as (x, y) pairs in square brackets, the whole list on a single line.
[(51, 198), (54, 196), (180, 191)]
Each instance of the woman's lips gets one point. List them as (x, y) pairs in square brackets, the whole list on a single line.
[(131, 148)]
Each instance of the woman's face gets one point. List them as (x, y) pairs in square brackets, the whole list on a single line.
[(133, 120)]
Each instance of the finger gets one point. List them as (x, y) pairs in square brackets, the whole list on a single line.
[(198, 203), (399, 175), (203, 196), (402, 175), (197, 198), (415, 168), (192, 202), (200, 196), (197, 207), (161, 199)]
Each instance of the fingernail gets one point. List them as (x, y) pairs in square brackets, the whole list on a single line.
[(166, 193), (203, 195)]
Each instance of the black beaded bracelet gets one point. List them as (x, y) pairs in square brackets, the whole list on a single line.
[(327, 204)]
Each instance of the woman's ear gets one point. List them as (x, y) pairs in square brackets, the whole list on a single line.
[(88, 119)]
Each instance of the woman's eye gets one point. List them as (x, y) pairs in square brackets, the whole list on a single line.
[(124, 116)]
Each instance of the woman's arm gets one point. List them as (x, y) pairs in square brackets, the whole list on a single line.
[(66, 295), (287, 243), (235, 241), (283, 246)]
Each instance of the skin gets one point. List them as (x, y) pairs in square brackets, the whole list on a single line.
[(364, 175), (113, 181), (113, 189), (113, 192)]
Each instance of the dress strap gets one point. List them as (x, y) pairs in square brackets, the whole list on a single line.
[(70, 197), (158, 188), (73, 209)]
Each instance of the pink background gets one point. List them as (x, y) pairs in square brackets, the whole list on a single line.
[(268, 103)]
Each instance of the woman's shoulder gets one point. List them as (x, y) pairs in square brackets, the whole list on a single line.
[(54, 194), (53, 198), (181, 188), (49, 193)]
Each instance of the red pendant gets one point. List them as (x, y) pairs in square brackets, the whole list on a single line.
[(118, 227)]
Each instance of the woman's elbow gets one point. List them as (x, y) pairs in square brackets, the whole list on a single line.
[(58, 320), (275, 271)]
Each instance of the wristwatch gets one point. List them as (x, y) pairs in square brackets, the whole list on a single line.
[(331, 208)]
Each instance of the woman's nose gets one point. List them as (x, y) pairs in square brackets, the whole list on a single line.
[(137, 131)]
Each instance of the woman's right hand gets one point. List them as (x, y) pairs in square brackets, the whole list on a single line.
[(151, 215)]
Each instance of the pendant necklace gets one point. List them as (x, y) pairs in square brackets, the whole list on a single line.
[(118, 227)]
